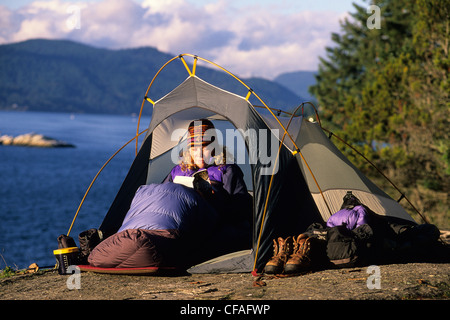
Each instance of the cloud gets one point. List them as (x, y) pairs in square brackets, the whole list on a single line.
[(248, 40)]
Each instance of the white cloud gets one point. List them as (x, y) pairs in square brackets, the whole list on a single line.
[(248, 40)]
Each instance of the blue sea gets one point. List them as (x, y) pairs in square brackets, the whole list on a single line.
[(41, 188)]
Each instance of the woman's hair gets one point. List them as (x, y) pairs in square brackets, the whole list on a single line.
[(187, 163)]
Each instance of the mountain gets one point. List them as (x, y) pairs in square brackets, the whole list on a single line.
[(66, 76), (298, 82)]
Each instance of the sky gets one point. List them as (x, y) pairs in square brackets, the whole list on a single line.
[(251, 38)]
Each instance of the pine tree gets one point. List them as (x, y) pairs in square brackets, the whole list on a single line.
[(386, 91)]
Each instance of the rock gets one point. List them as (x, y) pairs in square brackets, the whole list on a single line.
[(33, 140)]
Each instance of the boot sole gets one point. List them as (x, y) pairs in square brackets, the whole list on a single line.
[(294, 268), (273, 269)]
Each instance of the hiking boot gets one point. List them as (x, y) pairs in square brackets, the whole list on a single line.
[(300, 260), (282, 249)]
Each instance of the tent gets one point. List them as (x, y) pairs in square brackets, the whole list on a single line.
[(294, 172)]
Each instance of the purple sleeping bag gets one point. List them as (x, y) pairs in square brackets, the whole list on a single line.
[(164, 223), (351, 218)]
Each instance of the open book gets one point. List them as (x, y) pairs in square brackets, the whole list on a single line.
[(199, 181), (186, 181)]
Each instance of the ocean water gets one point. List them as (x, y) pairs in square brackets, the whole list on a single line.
[(41, 188)]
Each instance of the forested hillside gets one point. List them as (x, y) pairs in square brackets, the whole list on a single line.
[(66, 76)]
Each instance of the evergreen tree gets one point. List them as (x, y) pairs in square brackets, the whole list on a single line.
[(386, 91)]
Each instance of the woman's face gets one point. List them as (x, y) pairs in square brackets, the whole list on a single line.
[(200, 155)]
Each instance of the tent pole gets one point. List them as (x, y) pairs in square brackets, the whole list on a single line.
[(95, 178), (307, 165), (270, 185), (146, 99), (402, 195), (268, 193), (185, 65), (380, 172), (265, 208)]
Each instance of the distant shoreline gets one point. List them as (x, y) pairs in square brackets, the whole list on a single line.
[(33, 140)]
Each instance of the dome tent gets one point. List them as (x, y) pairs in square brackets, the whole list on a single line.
[(302, 182)]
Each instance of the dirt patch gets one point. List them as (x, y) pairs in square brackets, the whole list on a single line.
[(386, 282)]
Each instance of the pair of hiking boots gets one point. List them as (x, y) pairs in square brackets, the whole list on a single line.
[(291, 255)]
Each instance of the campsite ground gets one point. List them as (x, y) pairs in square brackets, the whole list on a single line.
[(412, 281)]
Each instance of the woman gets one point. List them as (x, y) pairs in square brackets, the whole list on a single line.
[(171, 225), (230, 196)]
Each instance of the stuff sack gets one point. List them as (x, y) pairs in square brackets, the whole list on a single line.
[(88, 239), (317, 234), (420, 243), (349, 248)]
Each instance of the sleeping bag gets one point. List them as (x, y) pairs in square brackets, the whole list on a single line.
[(163, 227), (169, 206), (351, 218)]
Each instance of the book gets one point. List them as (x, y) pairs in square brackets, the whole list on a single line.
[(199, 181), (184, 180)]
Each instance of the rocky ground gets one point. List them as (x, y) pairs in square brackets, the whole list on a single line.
[(385, 282), (190, 293)]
